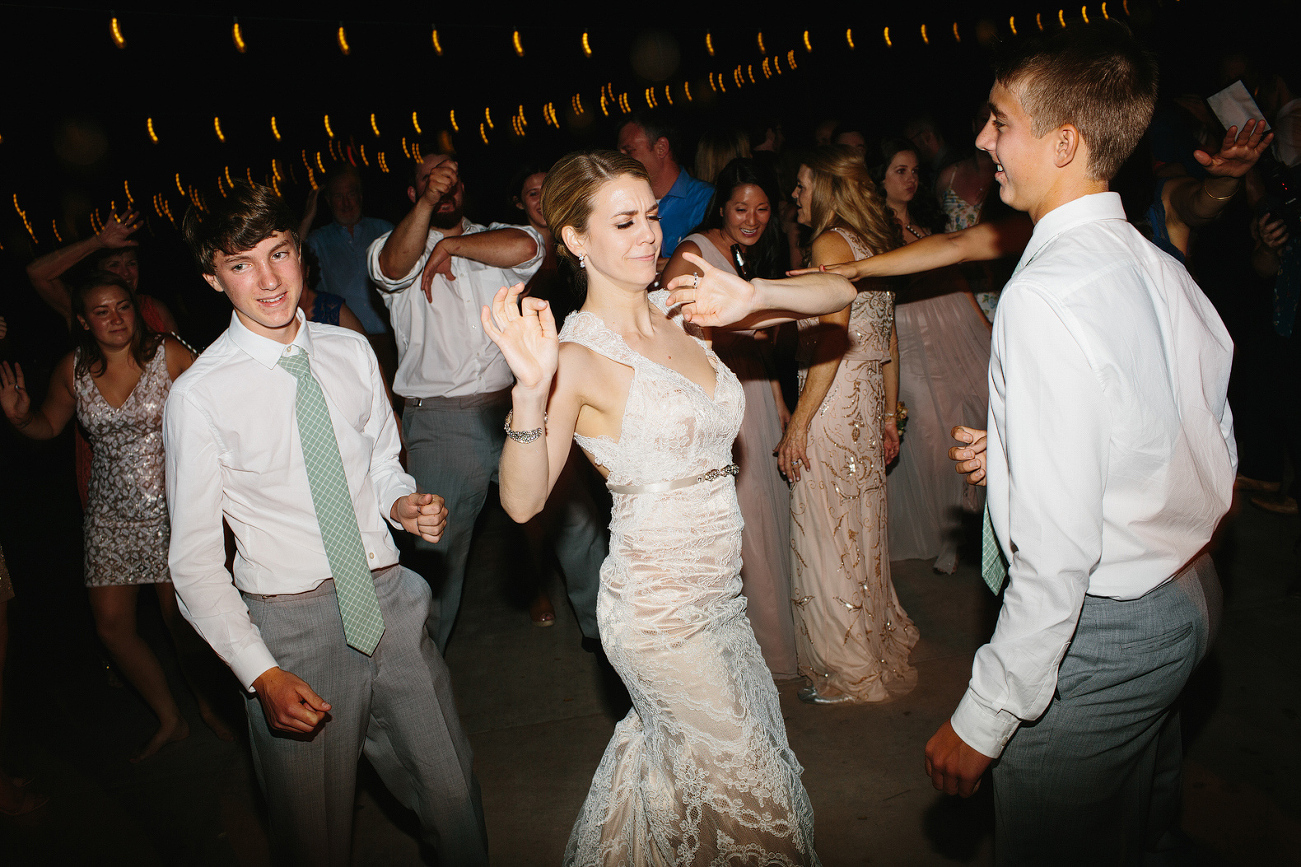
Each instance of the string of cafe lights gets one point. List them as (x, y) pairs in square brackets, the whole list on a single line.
[(610, 101)]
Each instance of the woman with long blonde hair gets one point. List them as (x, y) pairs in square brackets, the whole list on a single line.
[(851, 635)]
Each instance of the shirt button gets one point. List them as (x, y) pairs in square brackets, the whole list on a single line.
[(371, 555)]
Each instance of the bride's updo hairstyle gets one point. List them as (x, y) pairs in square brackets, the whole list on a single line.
[(567, 195)]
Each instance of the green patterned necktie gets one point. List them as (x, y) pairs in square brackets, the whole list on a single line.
[(993, 568), (362, 622)]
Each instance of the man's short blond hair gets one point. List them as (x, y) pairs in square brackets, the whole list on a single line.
[(1096, 78)]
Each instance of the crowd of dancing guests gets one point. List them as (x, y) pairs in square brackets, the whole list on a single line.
[(721, 403)]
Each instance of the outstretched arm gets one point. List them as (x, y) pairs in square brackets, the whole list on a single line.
[(982, 242), (498, 248), (721, 298), (1196, 203), (46, 272), (406, 243)]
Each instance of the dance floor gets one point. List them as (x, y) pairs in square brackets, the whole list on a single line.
[(539, 710)]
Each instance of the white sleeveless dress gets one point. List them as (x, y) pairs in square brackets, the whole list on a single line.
[(699, 772)]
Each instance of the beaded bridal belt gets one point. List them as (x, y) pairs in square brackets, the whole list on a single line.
[(661, 487)]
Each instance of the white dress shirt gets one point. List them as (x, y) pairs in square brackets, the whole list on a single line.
[(1110, 447), (231, 439), (442, 348)]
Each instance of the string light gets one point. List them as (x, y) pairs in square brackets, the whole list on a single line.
[(925, 38), (722, 85), (736, 76), (275, 131), (311, 177), (115, 29), (415, 122), (888, 43), (712, 86), (153, 136), (519, 46), (406, 150), (749, 70), (361, 148), (487, 115), (178, 184), (767, 70), (455, 128), (587, 46), (1104, 12), (1125, 5), (228, 180), (849, 37), (1011, 22), (54, 224), (320, 164), (578, 105), (483, 133), (383, 164), (375, 128), (807, 45), (668, 94), (709, 43), (438, 47), (216, 124), (623, 101), (248, 173), (1084, 12), (777, 64), (343, 46), (1061, 17), (237, 36), (650, 98), (415, 151), (790, 59), (328, 131), (220, 188), (686, 88), (522, 119), (130, 199), (604, 109), (306, 164), (956, 36), (762, 50), (1039, 19)]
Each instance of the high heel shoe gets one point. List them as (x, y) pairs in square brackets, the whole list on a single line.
[(809, 695)]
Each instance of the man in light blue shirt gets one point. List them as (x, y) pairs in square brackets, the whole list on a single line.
[(649, 139), (341, 246)]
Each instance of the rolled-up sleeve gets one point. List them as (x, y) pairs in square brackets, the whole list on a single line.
[(1053, 430), (385, 284), (207, 594)]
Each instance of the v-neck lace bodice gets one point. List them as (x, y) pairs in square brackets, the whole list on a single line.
[(677, 429)]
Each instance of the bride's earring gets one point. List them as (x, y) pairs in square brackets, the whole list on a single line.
[(582, 261)]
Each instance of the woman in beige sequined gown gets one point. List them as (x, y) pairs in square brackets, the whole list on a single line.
[(116, 383), (699, 772), (852, 635)]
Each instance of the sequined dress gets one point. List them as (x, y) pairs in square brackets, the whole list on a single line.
[(699, 772), (127, 531), (851, 634)]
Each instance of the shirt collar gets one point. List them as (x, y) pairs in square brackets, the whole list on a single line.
[(1086, 209), (679, 188), (264, 350)]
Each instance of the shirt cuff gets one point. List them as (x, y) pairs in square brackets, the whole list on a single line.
[(982, 728), (251, 663)]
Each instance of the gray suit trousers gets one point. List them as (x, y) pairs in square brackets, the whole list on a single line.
[(1096, 779), (394, 706)]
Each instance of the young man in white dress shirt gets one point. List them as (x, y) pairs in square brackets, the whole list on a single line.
[(435, 271), (1110, 459), (232, 430)]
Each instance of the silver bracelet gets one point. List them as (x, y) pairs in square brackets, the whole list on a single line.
[(523, 437)]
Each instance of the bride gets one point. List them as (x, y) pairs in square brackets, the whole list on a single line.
[(699, 772)]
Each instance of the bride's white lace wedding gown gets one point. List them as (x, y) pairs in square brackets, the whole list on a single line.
[(699, 772)]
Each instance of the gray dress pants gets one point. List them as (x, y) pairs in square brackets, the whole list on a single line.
[(395, 706), (1096, 779)]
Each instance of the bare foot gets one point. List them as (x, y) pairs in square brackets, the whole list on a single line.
[(541, 611), (166, 734), (216, 723)]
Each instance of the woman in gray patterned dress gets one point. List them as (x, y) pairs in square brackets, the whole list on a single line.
[(116, 383)]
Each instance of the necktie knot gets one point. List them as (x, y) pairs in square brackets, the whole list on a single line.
[(297, 364)]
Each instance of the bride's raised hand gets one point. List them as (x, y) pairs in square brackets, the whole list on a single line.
[(717, 297), (525, 331)]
